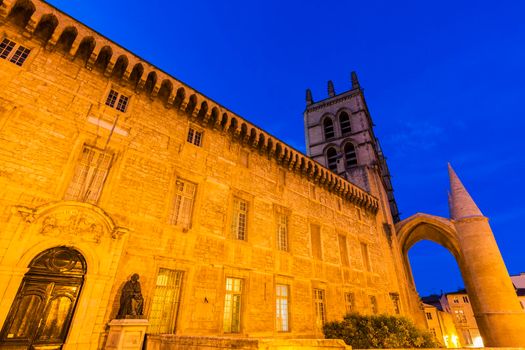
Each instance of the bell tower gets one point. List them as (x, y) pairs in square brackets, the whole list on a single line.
[(340, 136)]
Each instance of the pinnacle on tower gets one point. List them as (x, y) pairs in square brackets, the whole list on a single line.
[(309, 99), (331, 90), (355, 81), (461, 203)]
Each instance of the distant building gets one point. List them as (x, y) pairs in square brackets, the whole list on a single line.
[(441, 325), (458, 305), (519, 284)]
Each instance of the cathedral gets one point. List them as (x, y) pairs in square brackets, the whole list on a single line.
[(128, 195)]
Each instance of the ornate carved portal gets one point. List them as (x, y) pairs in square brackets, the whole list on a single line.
[(45, 302)]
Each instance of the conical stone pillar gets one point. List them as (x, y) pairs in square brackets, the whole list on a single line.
[(499, 315)]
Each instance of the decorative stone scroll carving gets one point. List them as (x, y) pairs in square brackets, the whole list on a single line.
[(82, 220)]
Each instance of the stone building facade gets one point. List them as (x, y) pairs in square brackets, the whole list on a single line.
[(109, 167)]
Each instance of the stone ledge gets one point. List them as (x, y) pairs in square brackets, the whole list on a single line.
[(174, 342)]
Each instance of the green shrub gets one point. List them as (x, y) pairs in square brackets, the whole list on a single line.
[(379, 331)]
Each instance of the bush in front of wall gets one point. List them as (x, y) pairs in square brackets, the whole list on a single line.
[(379, 332)]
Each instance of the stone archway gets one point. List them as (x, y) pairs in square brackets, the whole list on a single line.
[(421, 227), (469, 239)]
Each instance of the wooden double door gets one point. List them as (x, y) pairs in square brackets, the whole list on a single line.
[(41, 313)]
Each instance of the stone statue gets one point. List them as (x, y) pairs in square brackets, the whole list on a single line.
[(131, 300)]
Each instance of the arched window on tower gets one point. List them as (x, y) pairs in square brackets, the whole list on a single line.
[(328, 127), (344, 122), (350, 155), (331, 159)]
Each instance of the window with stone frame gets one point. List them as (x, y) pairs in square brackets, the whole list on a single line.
[(328, 129), (331, 159), (282, 229), (165, 302), (12, 52), (282, 303), (395, 303), (232, 305), (429, 315), (195, 137), (182, 208), (117, 100), (350, 302), (465, 299), (239, 224), (320, 307), (344, 123), (350, 155), (90, 175)]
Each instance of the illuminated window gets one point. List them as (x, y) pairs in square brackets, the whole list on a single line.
[(195, 137), (365, 257), (232, 305), (373, 304), (429, 315), (90, 174), (239, 219), (281, 307), (343, 250), (331, 159), (328, 128), (350, 155), (315, 237), (460, 316), (350, 302), (183, 204), (320, 307), (282, 231), (117, 100), (17, 56), (165, 302), (344, 122)]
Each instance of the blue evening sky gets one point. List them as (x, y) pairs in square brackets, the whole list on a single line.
[(444, 81)]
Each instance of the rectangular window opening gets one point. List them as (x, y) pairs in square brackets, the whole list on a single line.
[(320, 307), (18, 57), (165, 302), (232, 305), (282, 232), (90, 175), (240, 219), (282, 302), (194, 137), (182, 208), (117, 100)]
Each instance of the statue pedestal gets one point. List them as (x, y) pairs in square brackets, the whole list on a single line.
[(126, 334)]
